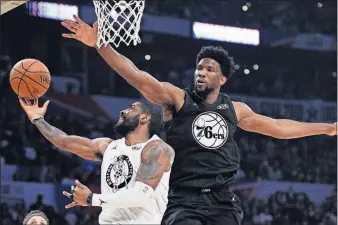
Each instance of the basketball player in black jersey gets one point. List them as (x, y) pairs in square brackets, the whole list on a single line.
[(201, 123)]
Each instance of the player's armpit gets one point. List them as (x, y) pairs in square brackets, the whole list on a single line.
[(156, 159), (278, 128), (81, 146), (176, 96)]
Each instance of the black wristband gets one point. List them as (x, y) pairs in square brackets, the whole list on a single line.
[(90, 199)]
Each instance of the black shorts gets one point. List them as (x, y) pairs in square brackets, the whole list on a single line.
[(205, 207)]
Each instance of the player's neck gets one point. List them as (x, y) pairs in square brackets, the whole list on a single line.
[(136, 137), (211, 97)]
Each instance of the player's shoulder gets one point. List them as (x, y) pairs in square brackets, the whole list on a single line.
[(101, 144), (155, 140), (102, 141), (157, 143), (226, 96), (155, 137), (241, 106), (242, 110)]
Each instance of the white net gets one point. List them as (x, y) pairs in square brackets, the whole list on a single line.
[(118, 21)]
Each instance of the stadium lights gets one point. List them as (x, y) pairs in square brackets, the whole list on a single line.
[(320, 5), (255, 67), (245, 8), (54, 11), (246, 71), (147, 57), (217, 32)]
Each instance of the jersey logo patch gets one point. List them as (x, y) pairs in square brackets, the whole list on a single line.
[(210, 130), (136, 148), (223, 106), (119, 173)]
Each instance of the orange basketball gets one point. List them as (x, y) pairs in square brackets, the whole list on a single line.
[(30, 78)]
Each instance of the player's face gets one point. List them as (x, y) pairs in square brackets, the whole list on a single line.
[(36, 220), (129, 119), (208, 76)]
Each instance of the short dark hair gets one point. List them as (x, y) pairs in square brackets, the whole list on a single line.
[(221, 56), (156, 123)]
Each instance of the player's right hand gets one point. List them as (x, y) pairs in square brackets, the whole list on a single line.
[(81, 31), (33, 109)]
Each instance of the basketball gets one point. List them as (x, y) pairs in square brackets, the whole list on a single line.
[(30, 78)]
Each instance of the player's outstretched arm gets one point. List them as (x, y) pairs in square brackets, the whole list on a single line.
[(161, 93), (279, 128), (156, 158), (83, 147)]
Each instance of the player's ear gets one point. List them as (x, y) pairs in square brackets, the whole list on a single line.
[(144, 118), (222, 80)]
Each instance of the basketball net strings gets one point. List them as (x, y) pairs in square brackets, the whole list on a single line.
[(120, 22)]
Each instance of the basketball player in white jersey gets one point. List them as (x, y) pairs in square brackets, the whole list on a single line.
[(135, 169)]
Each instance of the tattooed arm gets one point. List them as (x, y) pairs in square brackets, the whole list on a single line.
[(156, 159), (81, 146)]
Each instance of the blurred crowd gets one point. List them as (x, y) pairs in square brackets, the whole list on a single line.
[(268, 81), (14, 214), (281, 208), (289, 160), (289, 207), (288, 18)]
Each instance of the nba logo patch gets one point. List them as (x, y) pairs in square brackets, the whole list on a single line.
[(210, 130)]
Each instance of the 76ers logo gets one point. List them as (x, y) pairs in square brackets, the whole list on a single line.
[(210, 130), (119, 173)]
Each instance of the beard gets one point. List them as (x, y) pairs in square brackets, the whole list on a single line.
[(127, 126), (203, 92)]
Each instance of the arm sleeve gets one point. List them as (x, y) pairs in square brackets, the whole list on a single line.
[(137, 196)]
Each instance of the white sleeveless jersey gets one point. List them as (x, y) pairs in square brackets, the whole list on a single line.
[(118, 172)]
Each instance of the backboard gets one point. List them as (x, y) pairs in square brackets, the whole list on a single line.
[(9, 5)]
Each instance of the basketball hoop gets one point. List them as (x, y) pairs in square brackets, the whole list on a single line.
[(118, 21)]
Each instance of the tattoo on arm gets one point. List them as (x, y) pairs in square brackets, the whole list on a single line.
[(151, 162), (50, 132), (150, 165), (81, 146)]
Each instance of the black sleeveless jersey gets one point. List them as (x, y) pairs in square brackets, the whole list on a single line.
[(202, 135)]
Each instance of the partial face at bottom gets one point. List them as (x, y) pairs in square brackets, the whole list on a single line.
[(37, 220)]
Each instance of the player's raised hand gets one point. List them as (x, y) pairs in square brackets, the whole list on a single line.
[(81, 31), (33, 109), (79, 195)]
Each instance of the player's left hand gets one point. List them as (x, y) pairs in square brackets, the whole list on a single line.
[(79, 195), (333, 132), (33, 109)]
